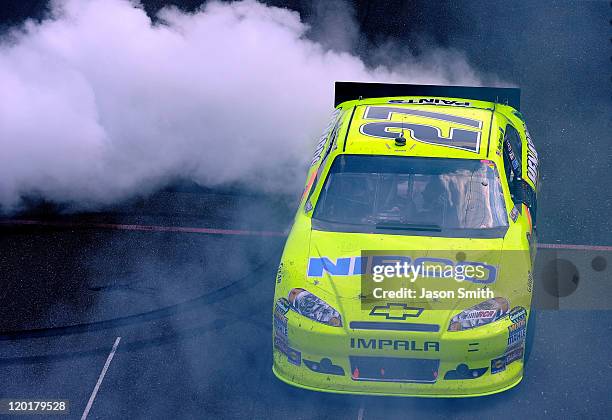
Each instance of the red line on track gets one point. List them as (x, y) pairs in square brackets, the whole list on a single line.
[(145, 228), (214, 231), (576, 247)]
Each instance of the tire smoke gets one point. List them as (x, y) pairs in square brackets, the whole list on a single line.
[(101, 103)]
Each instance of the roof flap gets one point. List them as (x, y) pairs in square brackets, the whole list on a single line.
[(348, 91)]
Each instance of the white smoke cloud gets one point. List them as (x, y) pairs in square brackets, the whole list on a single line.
[(99, 103)]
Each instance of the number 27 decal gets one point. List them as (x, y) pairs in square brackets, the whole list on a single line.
[(460, 138)]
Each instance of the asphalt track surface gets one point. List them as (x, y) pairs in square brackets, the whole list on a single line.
[(162, 309)]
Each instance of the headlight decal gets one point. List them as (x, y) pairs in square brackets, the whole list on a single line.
[(313, 307), (481, 314)]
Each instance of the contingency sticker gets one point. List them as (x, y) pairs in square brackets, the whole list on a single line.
[(281, 332), (279, 274), (514, 213), (518, 329), (517, 333), (498, 365)]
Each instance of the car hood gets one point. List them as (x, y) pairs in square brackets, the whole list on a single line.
[(333, 267)]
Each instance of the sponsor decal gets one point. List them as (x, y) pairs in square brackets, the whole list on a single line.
[(280, 344), (480, 314), (293, 355), (459, 138), (517, 332), (323, 139), (517, 313), (318, 150), (517, 325), (280, 325), (397, 345), (529, 282), (513, 160), (347, 266), (281, 332), (309, 305), (498, 365), (435, 101), (396, 311), (532, 160), (514, 213), (513, 355), (283, 306), (515, 337), (279, 273), (354, 266)]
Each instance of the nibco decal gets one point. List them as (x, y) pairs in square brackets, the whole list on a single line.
[(406, 345)]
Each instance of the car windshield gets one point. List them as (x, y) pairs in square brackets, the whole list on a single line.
[(412, 195)]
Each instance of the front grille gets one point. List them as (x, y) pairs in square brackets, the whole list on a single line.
[(393, 369), (394, 326)]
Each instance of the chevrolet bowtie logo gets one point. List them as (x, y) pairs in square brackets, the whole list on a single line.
[(398, 311)]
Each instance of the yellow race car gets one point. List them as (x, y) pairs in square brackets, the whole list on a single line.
[(408, 267)]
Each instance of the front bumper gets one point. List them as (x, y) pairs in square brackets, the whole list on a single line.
[(404, 363)]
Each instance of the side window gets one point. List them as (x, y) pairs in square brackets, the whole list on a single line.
[(507, 165), (512, 154), (520, 190), (323, 139), (332, 145)]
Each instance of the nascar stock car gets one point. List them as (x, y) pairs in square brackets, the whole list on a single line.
[(409, 176)]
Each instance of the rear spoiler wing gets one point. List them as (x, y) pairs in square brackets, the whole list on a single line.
[(348, 91)]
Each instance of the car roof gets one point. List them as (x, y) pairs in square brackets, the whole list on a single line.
[(432, 126)]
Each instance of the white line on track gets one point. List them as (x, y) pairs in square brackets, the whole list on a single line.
[(361, 411), (100, 379)]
